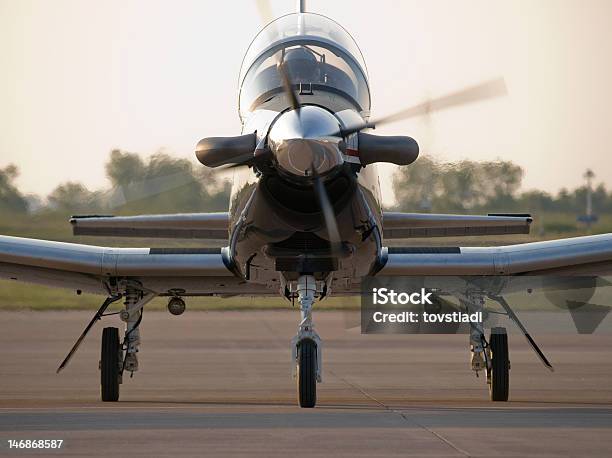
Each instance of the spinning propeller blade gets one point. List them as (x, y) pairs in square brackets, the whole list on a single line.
[(328, 212), (487, 90), (328, 215), (265, 11), (288, 87), (266, 16)]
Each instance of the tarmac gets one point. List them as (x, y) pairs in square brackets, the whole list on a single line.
[(219, 384)]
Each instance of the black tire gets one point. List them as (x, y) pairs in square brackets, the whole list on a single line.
[(110, 359), (307, 373), (499, 376)]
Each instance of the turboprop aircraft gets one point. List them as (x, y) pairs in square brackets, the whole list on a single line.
[(305, 219)]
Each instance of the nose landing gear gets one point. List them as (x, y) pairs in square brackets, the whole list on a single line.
[(306, 345)]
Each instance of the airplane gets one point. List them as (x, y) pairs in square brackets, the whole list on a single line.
[(305, 218)]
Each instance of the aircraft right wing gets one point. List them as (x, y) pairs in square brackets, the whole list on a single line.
[(181, 225), (412, 225), (587, 255)]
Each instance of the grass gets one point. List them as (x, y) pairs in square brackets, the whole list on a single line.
[(23, 296)]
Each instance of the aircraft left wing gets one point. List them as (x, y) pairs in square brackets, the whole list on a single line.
[(194, 271), (181, 225)]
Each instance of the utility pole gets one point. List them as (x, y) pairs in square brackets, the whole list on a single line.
[(589, 175)]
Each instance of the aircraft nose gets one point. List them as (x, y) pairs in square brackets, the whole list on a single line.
[(306, 138)]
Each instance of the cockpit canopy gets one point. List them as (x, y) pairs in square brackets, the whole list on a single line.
[(323, 61)]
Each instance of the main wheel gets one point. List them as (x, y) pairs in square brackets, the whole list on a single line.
[(499, 375), (307, 373), (110, 360)]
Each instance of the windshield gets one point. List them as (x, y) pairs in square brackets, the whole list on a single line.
[(320, 57)]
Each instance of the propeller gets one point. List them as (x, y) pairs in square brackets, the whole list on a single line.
[(483, 91), (327, 209), (267, 19), (121, 195), (288, 87), (265, 11)]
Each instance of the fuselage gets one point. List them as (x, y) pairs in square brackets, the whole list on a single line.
[(277, 229)]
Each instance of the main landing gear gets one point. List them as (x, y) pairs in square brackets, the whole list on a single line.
[(116, 357), (493, 355), (306, 345)]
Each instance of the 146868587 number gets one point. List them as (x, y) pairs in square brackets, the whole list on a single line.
[(35, 443)]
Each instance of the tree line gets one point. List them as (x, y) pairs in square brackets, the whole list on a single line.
[(485, 187), (158, 184), (165, 184)]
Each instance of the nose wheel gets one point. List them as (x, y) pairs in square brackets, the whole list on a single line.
[(306, 346), (307, 373), (111, 360)]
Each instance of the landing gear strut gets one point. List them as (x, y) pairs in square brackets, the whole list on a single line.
[(135, 300), (306, 345)]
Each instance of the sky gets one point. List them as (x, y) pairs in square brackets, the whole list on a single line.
[(81, 77)]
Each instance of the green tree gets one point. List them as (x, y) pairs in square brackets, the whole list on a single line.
[(74, 197), (458, 187), (11, 200), (124, 168), (162, 184)]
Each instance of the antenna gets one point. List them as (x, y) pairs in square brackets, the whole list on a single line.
[(301, 7)]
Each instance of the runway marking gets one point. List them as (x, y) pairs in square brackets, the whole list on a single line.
[(402, 415)]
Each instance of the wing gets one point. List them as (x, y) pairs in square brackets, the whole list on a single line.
[(412, 225), (200, 271), (589, 255), (182, 225)]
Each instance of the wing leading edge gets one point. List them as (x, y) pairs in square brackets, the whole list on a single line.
[(412, 225), (211, 226)]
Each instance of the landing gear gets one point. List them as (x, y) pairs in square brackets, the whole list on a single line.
[(306, 345), (111, 362), (498, 375), (114, 361), (491, 356)]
